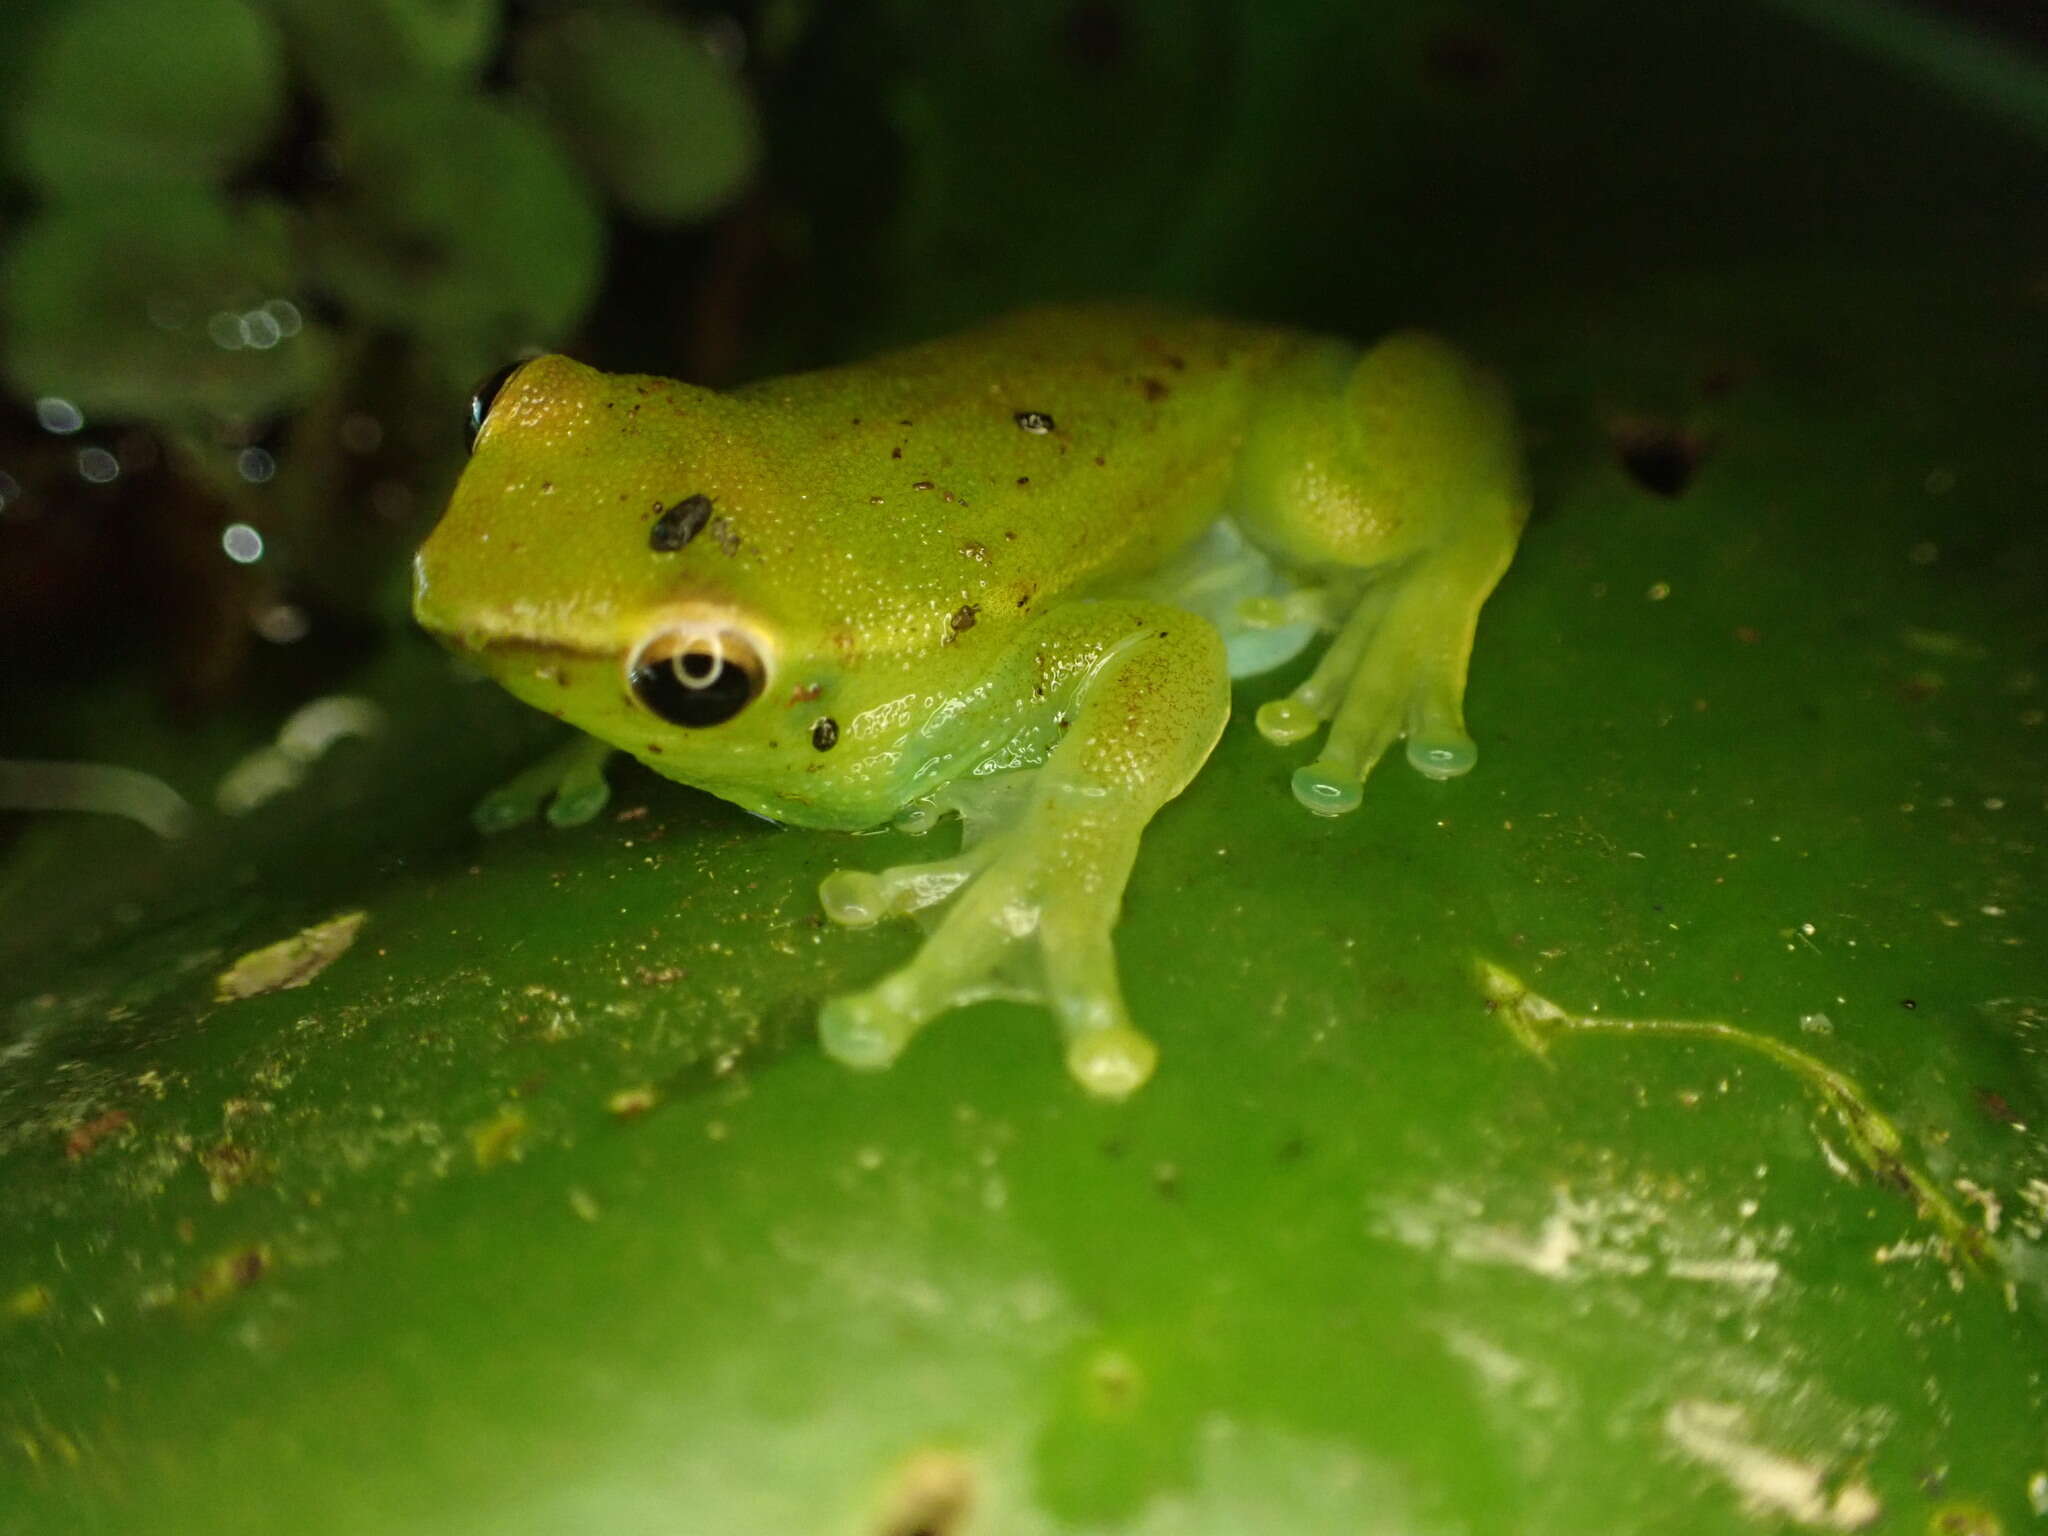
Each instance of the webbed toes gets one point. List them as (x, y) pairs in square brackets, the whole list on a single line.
[(569, 783), (503, 809), (1112, 1063), (1286, 721), (1328, 789), (861, 1031), (1442, 757)]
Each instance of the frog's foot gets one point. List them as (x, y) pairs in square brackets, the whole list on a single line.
[(1006, 934), (569, 782), (1027, 908), (1395, 669)]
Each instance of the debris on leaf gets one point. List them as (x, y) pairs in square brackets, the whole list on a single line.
[(290, 962)]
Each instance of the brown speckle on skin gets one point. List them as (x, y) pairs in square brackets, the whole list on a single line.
[(807, 694), (1023, 479), (1100, 461), (1176, 363), (1152, 389), (964, 617), (654, 747), (895, 453)]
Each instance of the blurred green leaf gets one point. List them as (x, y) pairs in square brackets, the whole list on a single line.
[(643, 106), (367, 50), (460, 222), (168, 306), (133, 92)]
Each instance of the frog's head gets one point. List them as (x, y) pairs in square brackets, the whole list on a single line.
[(609, 556)]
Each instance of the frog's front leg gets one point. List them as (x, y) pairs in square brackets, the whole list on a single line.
[(569, 781), (1136, 695), (1407, 468)]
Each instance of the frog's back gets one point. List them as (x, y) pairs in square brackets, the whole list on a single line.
[(1057, 448)]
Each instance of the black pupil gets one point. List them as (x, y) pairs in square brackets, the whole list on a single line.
[(480, 402), (714, 692)]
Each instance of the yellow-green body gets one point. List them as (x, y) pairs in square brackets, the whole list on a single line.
[(997, 574)]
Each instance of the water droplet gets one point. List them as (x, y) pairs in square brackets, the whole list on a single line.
[(242, 544), (260, 330), (56, 414), (281, 623)]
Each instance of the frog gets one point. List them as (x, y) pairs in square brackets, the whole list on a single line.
[(1007, 577)]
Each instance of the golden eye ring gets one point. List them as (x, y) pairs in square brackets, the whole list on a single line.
[(696, 678)]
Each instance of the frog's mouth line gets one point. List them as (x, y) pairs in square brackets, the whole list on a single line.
[(539, 650)]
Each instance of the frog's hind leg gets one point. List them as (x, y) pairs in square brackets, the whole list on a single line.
[(1428, 496), (1033, 897)]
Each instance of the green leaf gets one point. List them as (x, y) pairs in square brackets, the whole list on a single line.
[(168, 306), (135, 92), (644, 107), (459, 222), (372, 49)]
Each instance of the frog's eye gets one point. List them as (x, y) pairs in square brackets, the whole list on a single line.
[(480, 402), (697, 677)]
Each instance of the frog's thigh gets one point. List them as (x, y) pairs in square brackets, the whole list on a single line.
[(1426, 490), (1034, 901)]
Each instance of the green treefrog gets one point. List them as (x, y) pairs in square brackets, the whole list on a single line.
[(1008, 575)]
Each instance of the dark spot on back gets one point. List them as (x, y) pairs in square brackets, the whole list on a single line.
[(964, 617), (1153, 389), (825, 733), (679, 524)]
